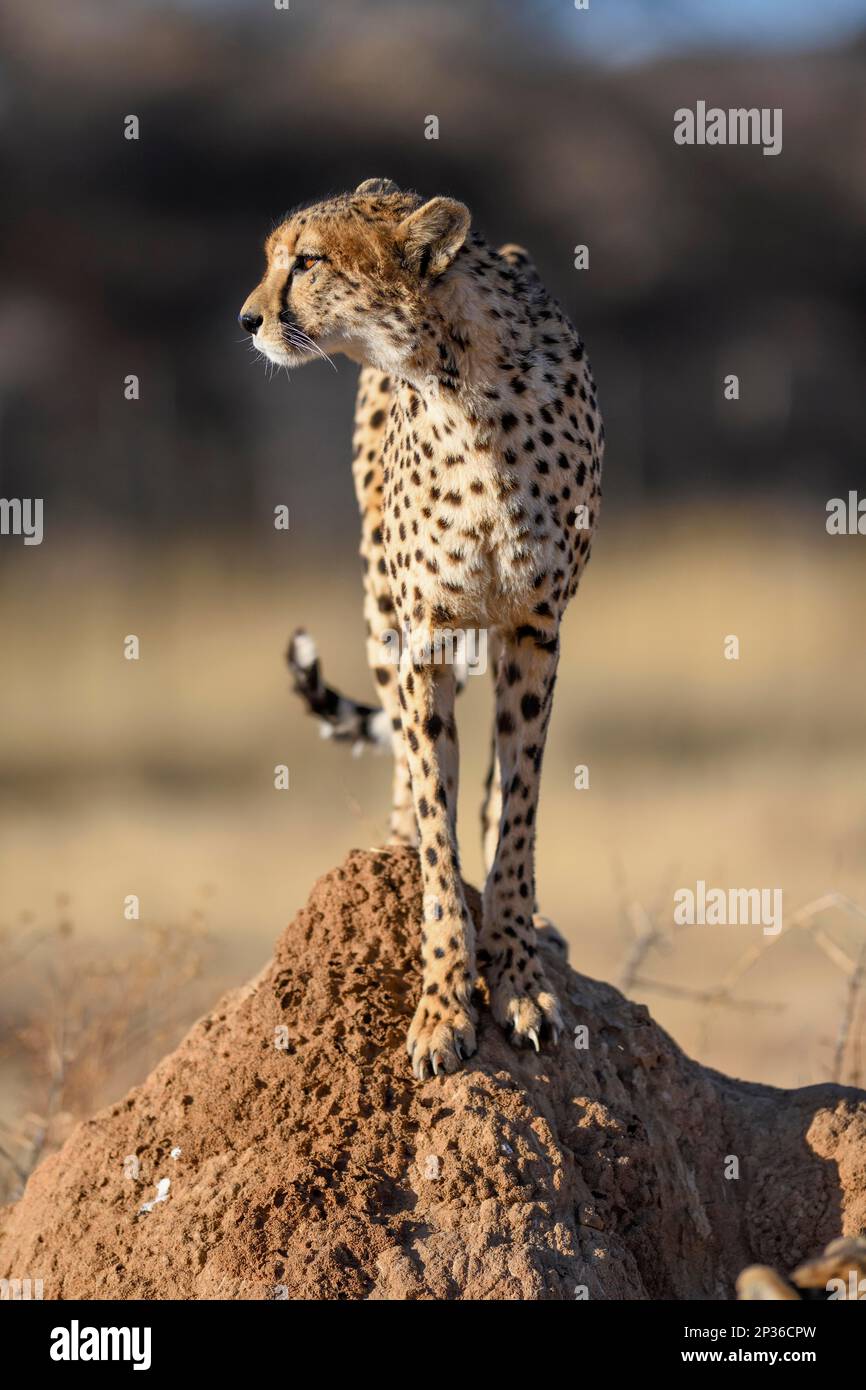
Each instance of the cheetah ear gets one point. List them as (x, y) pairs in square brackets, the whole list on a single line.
[(377, 186), (432, 235)]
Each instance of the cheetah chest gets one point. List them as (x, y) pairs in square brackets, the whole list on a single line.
[(463, 534)]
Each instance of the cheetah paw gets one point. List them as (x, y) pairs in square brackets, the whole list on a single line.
[(529, 1012), (439, 1039)]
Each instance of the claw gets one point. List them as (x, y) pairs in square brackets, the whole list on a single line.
[(554, 1033), (434, 1058), (533, 1037), (458, 1049)]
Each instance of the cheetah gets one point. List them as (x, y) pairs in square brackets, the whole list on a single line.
[(840, 1273), (477, 463)]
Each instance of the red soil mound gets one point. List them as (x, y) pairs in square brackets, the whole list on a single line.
[(312, 1165)]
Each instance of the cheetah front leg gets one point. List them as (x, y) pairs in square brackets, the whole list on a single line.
[(520, 996), (402, 824), (380, 617), (442, 1032)]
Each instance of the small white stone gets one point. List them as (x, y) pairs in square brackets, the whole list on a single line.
[(162, 1188)]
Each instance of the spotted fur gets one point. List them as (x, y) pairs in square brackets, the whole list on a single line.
[(477, 464)]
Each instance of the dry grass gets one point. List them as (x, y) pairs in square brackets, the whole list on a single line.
[(80, 1023), (156, 777)]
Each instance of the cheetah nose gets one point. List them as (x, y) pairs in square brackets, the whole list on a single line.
[(251, 322)]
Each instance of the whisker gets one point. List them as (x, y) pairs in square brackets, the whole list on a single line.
[(296, 337)]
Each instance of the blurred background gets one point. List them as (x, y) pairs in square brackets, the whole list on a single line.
[(155, 777)]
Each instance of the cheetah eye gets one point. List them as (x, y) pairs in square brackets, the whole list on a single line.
[(306, 261)]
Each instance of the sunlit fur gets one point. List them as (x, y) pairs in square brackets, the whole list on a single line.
[(478, 453)]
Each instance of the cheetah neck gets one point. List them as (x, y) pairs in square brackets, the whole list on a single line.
[(470, 336)]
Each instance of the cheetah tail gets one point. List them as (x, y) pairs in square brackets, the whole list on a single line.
[(347, 721), (340, 718)]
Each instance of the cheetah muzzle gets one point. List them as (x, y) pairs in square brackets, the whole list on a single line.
[(477, 460)]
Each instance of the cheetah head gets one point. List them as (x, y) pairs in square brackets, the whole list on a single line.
[(352, 275)]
